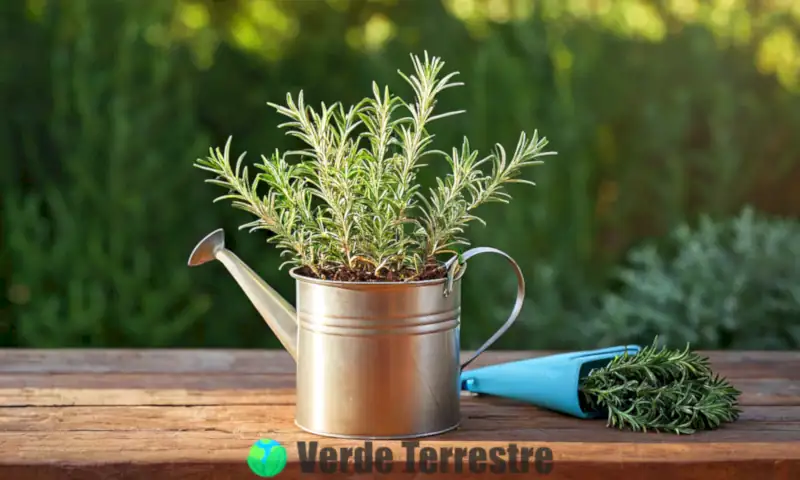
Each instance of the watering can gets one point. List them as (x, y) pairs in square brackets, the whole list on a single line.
[(381, 360), (375, 360)]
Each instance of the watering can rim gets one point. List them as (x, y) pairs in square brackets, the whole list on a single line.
[(345, 284)]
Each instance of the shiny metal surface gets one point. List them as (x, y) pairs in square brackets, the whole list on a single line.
[(274, 309), (375, 360), (452, 267)]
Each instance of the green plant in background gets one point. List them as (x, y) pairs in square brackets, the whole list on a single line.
[(649, 146), (371, 220), (731, 283), (661, 390), (93, 247)]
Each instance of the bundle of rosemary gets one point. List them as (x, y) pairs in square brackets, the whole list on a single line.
[(660, 390)]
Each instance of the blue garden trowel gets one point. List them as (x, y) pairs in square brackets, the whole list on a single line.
[(549, 382)]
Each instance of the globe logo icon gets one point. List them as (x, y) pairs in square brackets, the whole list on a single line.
[(267, 458)]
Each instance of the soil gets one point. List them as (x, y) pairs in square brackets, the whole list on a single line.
[(431, 272)]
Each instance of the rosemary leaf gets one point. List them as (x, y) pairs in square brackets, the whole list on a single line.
[(348, 205), (661, 390)]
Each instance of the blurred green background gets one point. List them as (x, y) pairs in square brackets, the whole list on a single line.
[(671, 208)]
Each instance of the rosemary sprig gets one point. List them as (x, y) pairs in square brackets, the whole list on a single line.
[(661, 390), (348, 205)]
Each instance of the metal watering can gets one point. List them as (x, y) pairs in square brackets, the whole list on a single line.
[(381, 360)]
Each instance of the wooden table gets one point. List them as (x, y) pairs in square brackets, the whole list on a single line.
[(106, 414)]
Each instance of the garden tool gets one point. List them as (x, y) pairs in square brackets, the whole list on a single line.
[(549, 382)]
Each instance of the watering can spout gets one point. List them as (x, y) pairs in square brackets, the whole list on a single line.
[(276, 311)]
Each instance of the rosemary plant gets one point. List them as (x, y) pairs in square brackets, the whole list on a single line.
[(661, 390), (349, 207)]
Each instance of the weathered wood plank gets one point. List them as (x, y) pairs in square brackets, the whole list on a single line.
[(747, 364), (221, 389), (210, 446), (480, 420), (217, 455), (612, 469), (133, 397), (106, 414), (136, 381)]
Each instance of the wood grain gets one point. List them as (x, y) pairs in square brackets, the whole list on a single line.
[(221, 389), (748, 364), (105, 414), (481, 420), (211, 454)]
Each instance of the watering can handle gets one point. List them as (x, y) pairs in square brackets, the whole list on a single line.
[(452, 265)]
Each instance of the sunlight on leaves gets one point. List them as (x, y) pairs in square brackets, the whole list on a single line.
[(191, 24), (463, 9), (193, 15), (779, 54), (245, 33), (373, 35), (636, 18), (742, 28), (263, 27), (266, 13), (685, 10), (35, 8), (469, 13), (589, 8), (476, 14), (498, 11), (731, 22), (377, 31), (728, 20)]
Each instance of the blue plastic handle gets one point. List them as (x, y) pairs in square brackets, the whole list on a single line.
[(549, 382)]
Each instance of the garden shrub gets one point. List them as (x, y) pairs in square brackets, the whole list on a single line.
[(98, 249), (732, 283)]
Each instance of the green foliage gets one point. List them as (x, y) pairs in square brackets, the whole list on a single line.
[(732, 283), (370, 196), (661, 390), (656, 129), (97, 256)]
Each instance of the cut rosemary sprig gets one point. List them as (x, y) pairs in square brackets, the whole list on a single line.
[(661, 390)]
